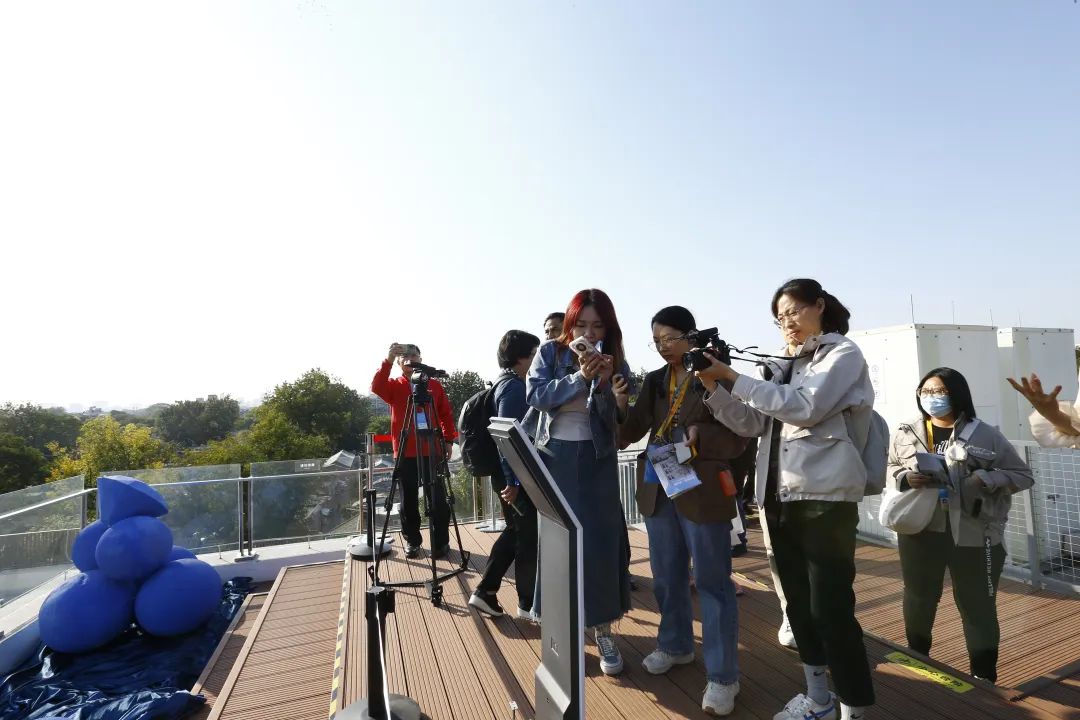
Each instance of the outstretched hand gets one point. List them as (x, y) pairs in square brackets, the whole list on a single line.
[(1031, 388)]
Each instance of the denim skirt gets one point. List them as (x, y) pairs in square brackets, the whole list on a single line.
[(591, 487)]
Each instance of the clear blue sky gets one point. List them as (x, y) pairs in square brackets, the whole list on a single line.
[(218, 196)]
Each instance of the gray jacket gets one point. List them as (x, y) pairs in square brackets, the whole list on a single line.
[(827, 400), (984, 482)]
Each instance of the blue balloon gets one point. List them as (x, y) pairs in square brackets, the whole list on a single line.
[(82, 550), (122, 497), (86, 612), (178, 598), (180, 553), (133, 548)]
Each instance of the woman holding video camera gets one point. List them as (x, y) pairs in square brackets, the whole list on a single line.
[(810, 478), (975, 472), (691, 525), (572, 418)]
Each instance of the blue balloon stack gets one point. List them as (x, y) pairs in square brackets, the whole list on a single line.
[(130, 571)]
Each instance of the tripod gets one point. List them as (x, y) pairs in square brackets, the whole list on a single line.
[(433, 473)]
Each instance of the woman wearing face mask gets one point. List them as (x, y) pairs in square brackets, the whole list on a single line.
[(810, 478), (965, 532), (693, 525), (573, 420)]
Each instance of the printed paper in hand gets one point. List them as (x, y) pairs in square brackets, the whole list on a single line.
[(676, 477)]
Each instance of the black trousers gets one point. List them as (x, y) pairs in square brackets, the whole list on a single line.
[(411, 503), (815, 559), (975, 572), (515, 546)]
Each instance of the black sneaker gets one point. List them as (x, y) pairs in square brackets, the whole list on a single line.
[(487, 603), (738, 550), (413, 551), (441, 552)]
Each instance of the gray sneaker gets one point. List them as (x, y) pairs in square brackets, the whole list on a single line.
[(659, 662), (719, 698)]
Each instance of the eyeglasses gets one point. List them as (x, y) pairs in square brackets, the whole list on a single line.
[(782, 318), (664, 343), (936, 392)]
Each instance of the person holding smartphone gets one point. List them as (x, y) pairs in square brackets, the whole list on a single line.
[(977, 473), (573, 419), (396, 393), (692, 525)]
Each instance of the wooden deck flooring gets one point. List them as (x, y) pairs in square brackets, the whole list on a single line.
[(1040, 630), (461, 666), (285, 667)]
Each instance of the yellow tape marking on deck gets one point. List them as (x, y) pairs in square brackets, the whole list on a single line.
[(751, 580), (339, 648), (920, 668)]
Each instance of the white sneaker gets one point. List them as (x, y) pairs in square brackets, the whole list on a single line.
[(659, 662), (527, 615), (719, 699), (802, 707), (611, 662), (785, 637)]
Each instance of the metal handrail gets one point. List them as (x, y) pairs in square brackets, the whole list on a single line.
[(46, 503)]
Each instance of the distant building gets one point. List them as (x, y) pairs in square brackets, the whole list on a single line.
[(378, 405)]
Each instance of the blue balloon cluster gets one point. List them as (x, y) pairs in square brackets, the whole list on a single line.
[(130, 571)]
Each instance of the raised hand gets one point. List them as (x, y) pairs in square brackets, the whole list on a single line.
[(1031, 388)]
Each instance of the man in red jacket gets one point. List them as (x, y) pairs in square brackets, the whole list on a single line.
[(396, 393)]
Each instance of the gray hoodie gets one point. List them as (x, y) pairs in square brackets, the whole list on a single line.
[(984, 481)]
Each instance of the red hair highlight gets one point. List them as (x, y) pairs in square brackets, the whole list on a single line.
[(598, 299)]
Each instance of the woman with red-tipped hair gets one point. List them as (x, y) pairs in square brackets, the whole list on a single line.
[(573, 419)]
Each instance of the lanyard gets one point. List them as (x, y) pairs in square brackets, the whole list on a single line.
[(943, 493), (675, 397)]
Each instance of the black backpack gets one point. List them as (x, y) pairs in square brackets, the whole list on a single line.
[(478, 450)]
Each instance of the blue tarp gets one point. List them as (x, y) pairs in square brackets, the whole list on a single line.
[(136, 677)]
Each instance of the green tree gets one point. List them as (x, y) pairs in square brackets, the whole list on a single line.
[(105, 444), (1078, 358), (637, 378), (272, 437), (190, 423), (20, 464), (380, 425), (275, 437), (460, 386), (321, 405), (127, 418), (39, 426)]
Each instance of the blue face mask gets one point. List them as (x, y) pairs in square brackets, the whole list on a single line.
[(936, 405)]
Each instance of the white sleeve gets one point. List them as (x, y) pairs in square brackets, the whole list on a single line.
[(1049, 436)]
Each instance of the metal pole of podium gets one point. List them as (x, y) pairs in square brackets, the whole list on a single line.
[(493, 525)]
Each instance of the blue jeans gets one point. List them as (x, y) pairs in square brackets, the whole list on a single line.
[(673, 541)]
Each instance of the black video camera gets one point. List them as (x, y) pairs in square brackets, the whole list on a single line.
[(420, 371), (705, 341)]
